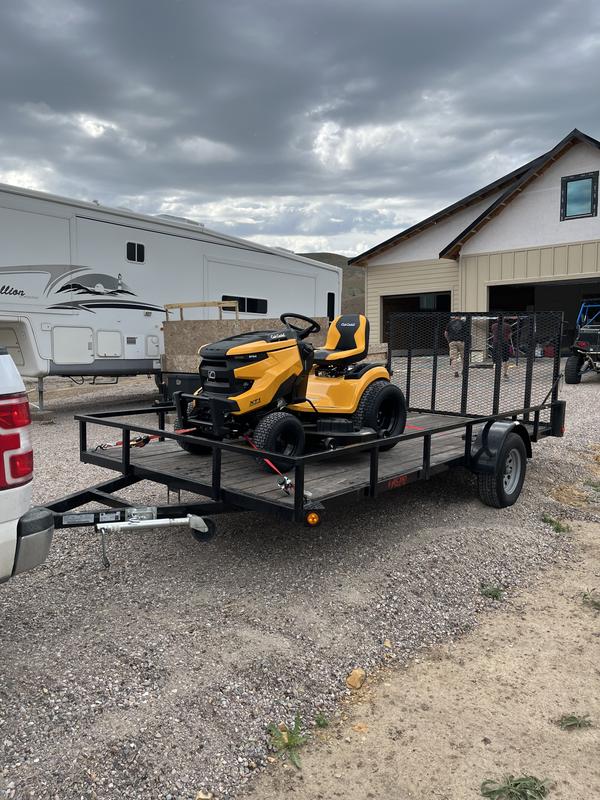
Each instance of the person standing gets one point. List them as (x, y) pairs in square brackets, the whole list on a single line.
[(502, 345), (455, 334)]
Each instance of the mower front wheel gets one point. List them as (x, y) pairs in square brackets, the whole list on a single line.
[(279, 432), (383, 408)]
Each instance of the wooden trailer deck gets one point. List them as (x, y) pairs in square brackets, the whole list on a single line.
[(166, 462)]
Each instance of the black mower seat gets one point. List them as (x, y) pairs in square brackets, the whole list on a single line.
[(347, 341)]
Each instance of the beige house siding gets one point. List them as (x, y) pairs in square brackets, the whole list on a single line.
[(410, 277), (532, 265)]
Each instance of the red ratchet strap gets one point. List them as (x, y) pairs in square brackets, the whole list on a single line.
[(140, 441), (266, 460)]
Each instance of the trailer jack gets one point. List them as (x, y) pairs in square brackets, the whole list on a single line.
[(144, 518)]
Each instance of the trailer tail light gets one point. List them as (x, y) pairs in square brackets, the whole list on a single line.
[(16, 453)]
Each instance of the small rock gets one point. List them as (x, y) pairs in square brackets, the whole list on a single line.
[(204, 795), (356, 678)]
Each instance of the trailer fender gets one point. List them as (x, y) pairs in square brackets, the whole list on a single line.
[(490, 441)]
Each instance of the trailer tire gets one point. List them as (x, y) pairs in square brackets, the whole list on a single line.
[(573, 368), (279, 432), (383, 408), (502, 488)]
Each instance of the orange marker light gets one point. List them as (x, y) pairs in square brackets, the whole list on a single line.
[(312, 518)]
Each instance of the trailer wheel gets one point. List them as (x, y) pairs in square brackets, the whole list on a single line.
[(573, 368), (279, 432), (205, 536), (383, 408), (503, 487)]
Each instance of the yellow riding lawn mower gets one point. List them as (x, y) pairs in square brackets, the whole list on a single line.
[(276, 391)]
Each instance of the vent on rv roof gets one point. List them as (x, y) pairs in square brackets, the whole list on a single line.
[(175, 218)]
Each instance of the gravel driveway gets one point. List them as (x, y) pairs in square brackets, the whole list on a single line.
[(157, 678)]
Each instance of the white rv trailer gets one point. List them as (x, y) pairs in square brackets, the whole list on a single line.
[(83, 287)]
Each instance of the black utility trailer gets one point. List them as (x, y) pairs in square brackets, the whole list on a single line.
[(478, 420)]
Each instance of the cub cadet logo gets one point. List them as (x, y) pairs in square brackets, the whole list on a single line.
[(255, 402), (347, 324), (396, 483), (212, 375), (275, 336), (5, 289)]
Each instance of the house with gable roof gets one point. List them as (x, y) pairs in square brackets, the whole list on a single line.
[(528, 241)]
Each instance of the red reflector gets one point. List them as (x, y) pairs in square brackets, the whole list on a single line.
[(14, 412), (583, 345), (21, 465)]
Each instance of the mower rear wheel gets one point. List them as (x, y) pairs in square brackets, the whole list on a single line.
[(573, 368), (279, 432), (383, 408)]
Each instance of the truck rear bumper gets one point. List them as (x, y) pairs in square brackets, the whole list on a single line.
[(34, 537)]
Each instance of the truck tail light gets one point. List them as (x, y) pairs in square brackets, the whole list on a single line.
[(16, 453)]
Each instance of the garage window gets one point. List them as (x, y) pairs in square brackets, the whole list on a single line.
[(579, 196)]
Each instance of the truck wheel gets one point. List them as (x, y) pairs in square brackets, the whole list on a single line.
[(279, 432), (383, 408), (573, 368), (503, 487)]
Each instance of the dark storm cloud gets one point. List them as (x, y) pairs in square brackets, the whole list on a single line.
[(333, 123)]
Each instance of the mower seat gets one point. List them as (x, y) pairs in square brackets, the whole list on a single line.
[(347, 341)]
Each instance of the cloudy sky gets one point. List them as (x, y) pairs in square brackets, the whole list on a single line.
[(326, 125)]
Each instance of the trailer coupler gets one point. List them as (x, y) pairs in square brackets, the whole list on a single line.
[(144, 518)]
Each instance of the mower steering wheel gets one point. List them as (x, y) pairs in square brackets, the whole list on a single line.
[(312, 327)]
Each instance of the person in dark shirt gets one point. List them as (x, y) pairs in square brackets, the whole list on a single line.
[(502, 344), (455, 336)]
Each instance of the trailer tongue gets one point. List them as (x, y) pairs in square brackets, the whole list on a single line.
[(479, 422)]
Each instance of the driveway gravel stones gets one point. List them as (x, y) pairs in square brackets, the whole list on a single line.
[(157, 678)]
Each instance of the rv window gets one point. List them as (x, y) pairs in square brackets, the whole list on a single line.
[(256, 306), (330, 305), (136, 252), (241, 302), (250, 305)]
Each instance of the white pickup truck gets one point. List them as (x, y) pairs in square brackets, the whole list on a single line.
[(25, 532)]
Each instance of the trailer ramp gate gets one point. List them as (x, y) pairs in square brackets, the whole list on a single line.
[(448, 423)]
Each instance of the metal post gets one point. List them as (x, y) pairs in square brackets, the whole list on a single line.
[(82, 436), (426, 455), (216, 473), (556, 365), (126, 451), (411, 332), (299, 492), (464, 394), (529, 365), (497, 348), (40, 393), (468, 443), (436, 335), (373, 471), (161, 424)]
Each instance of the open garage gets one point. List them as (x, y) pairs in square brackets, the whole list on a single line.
[(565, 296)]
